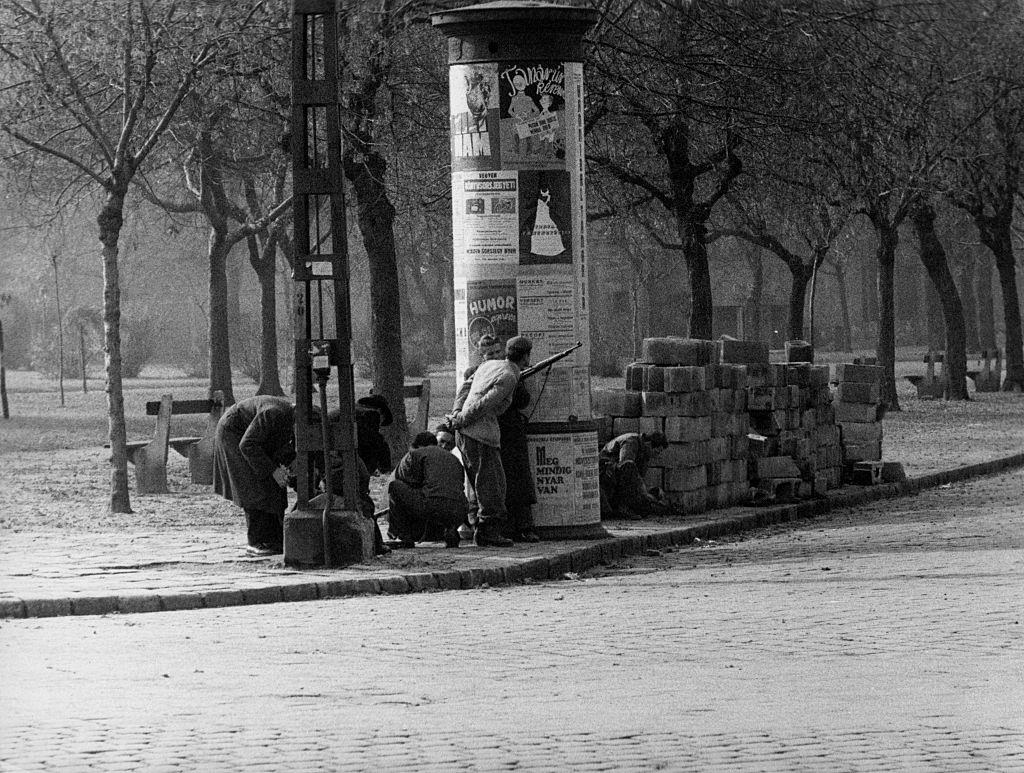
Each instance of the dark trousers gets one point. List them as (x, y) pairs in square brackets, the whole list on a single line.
[(264, 528), (487, 481), (411, 513), (622, 489)]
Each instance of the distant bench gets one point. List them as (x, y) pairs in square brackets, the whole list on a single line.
[(150, 456), (986, 379)]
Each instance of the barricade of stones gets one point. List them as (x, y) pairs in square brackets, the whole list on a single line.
[(859, 412), (739, 428), (680, 388), (794, 444)]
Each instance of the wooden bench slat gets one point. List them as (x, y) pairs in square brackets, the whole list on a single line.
[(179, 407)]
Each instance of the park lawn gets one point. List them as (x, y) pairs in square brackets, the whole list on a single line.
[(55, 473)]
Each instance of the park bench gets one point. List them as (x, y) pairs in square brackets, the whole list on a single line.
[(421, 393), (990, 377), (150, 456), (932, 384)]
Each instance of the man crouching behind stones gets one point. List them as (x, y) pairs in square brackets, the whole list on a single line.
[(479, 437), (622, 463), (427, 492)]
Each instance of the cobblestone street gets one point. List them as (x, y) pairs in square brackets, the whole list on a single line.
[(885, 639)]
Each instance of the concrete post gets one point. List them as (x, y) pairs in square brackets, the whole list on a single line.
[(519, 228)]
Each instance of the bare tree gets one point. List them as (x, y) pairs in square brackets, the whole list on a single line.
[(97, 86), (990, 157)]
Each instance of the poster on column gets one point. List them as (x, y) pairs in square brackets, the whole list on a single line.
[(473, 96), (531, 106), (565, 470), (485, 219), (545, 218), (482, 306), (559, 394), (547, 313)]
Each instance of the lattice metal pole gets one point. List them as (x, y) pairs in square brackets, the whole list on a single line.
[(322, 324)]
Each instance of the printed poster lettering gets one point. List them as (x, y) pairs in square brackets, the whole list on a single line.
[(547, 314), (473, 95), (532, 103), (482, 306), (485, 217), (565, 471)]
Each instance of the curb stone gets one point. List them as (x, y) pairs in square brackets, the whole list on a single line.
[(554, 567)]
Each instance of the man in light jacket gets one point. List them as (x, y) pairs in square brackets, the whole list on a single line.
[(479, 437)]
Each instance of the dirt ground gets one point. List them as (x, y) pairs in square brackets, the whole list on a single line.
[(54, 472)]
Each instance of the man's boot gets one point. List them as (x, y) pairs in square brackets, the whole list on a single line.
[(489, 535)]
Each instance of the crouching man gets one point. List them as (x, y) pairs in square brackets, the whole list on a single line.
[(427, 493), (622, 464)]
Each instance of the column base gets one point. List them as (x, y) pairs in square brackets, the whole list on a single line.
[(584, 531)]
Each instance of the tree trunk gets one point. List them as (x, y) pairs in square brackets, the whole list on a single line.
[(448, 304), (756, 297), (270, 377), (797, 298), (935, 328), (869, 317), (376, 216), (885, 350), (81, 356), (5, 408), (986, 304), (997, 237), (933, 256), (970, 300), (844, 308), (60, 329), (220, 348), (110, 220), (693, 235)]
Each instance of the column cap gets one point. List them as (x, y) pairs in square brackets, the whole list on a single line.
[(506, 13)]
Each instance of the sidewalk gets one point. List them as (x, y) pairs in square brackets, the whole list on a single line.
[(52, 574)]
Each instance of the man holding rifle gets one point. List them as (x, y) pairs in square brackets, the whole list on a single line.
[(479, 437)]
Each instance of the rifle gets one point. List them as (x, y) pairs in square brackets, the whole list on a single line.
[(549, 361)]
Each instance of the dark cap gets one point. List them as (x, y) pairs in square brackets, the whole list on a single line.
[(517, 346)]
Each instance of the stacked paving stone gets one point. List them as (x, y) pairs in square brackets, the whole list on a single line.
[(794, 445), (859, 411), (679, 388)]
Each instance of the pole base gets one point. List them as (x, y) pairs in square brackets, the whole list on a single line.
[(350, 535)]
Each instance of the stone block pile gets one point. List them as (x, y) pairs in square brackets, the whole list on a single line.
[(794, 445), (679, 387), (859, 411), (740, 428)]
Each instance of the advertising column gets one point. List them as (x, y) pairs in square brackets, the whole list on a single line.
[(519, 229)]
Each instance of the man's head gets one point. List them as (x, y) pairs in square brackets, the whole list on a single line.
[(423, 439), (445, 437), (518, 350), (489, 347)]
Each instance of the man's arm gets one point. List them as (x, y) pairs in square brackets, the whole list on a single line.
[(253, 445), (629, 450), (490, 401)]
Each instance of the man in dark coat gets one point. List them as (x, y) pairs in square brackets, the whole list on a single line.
[(372, 413), (253, 446), (520, 493), (427, 493)]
